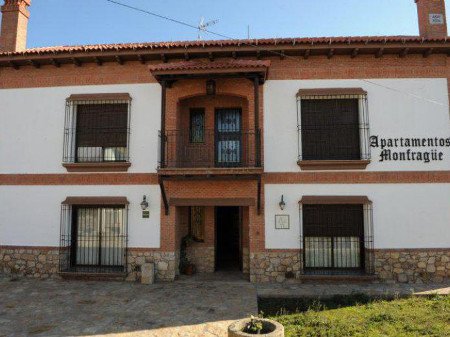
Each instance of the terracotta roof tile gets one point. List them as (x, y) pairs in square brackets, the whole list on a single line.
[(193, 65), (221, 43)]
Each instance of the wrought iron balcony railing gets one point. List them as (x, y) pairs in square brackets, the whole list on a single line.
[(209, 148)]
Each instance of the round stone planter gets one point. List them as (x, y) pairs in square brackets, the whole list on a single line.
[(274, 329)]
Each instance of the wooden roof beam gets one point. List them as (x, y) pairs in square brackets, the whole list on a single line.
[(56, 63), (76, 62), (330, 53), (307, 54), (119, 60), (404, 52), (164, 58), (14, 65), (355, 53), (35, 64), (98, 61), (379, 53), (427, 52), (141, 59)]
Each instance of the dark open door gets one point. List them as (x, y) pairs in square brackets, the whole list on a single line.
[(228, 137), (228, 239)]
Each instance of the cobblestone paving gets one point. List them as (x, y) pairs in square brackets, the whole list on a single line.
[(203, 305), (81, 308)]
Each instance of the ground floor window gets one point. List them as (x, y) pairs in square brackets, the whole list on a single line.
[(93, 238), (337, 237)]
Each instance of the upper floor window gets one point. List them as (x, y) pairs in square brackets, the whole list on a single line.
[(333, 128), (197, 125), (97, 128)]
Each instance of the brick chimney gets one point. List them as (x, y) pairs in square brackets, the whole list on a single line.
[(15, 16), (432, 20)]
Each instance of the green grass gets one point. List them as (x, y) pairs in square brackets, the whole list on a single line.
[(409, 317)]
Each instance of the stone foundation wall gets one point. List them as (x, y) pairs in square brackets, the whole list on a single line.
[(274, 266), (202, 257), (43, 262), (33, 262), (166, 264), (413, 265)]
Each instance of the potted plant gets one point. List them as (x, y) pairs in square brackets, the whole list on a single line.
[(186, 266), (255, 326)]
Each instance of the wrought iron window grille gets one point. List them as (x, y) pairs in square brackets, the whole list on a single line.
[(93, 239), (333, 127), (337, 239), (97, 131)]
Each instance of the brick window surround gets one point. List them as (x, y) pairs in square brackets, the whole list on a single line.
[(333, 129), (96, 133)]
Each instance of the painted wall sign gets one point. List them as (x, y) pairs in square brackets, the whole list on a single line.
[(436, 19), (282, 221), (419, 149)]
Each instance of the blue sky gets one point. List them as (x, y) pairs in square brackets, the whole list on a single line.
[(69, 22)]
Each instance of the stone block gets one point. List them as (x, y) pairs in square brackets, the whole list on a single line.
[(148, 273)]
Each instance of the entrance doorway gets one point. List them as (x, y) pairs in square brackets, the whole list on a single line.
[(228, 238)]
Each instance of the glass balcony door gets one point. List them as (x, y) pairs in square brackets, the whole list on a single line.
[(228, 137)]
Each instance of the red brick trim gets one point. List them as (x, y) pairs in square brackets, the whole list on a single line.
[(212, 202), (100, 97), (80, 179), (333, 200), (308, 165), (331, 92), (97, 167), (380, 177), (96, 201), (388, 177)]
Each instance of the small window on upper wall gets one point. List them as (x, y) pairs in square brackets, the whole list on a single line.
[(333, 129), (197, 125), (97, 129)]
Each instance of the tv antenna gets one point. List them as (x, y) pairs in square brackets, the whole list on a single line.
[(203, 25)]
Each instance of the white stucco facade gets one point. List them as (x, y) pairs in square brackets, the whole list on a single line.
[(30, 215), (32, 127), (404, 215), (414, 108)]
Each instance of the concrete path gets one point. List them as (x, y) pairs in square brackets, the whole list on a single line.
[(296, 290), (80, 308)]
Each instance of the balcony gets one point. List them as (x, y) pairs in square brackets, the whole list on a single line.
[(230, 150)]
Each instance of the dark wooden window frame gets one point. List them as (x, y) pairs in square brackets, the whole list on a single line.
[(366, 235), (192, 132), (363, 129), (70, 133)]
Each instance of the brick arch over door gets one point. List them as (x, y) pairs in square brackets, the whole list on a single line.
[(187, 90)]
